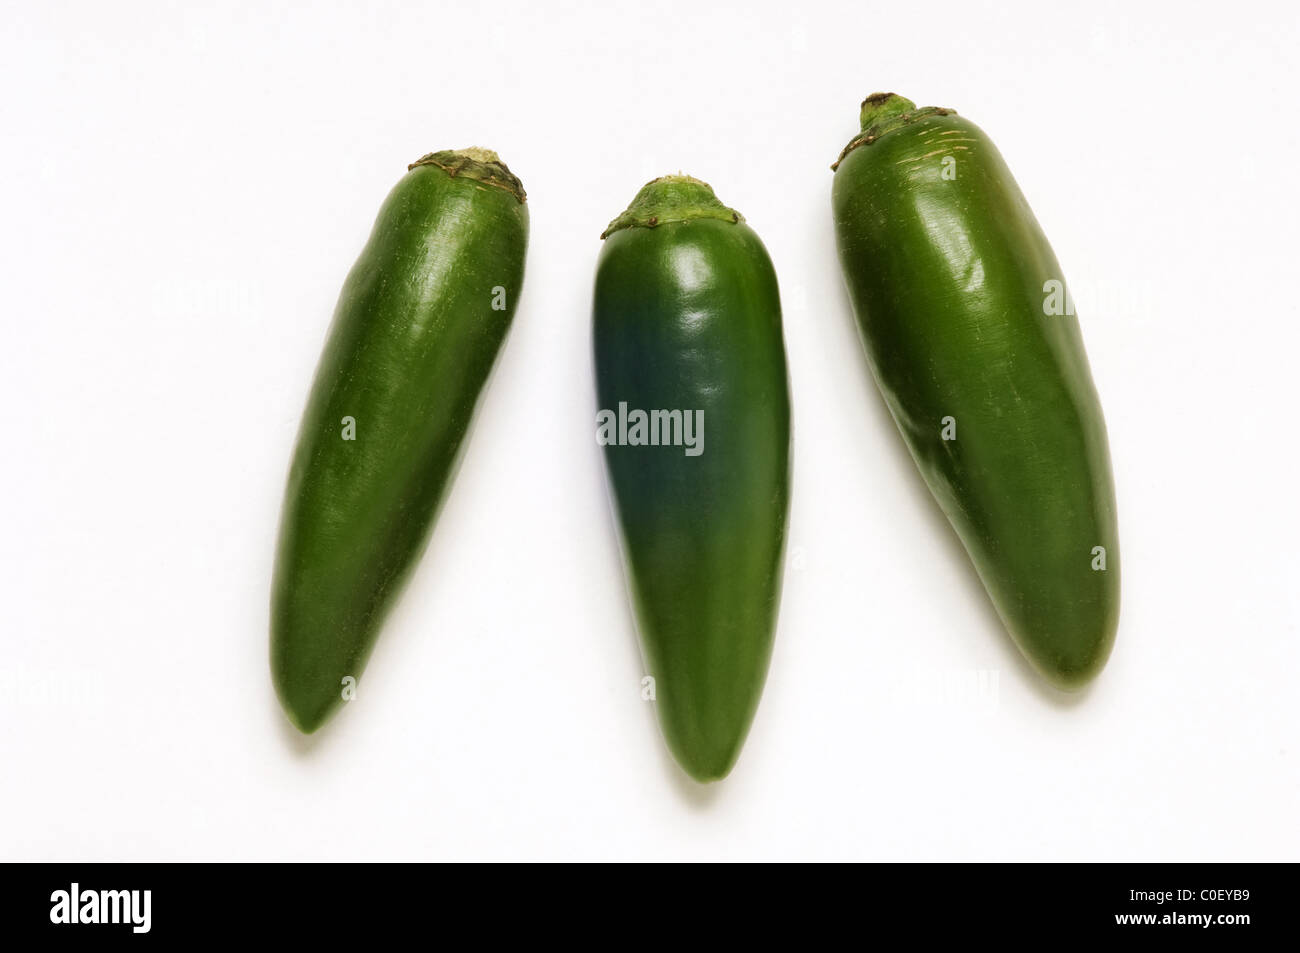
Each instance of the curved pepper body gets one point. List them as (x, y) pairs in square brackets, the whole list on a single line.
[(687, 327), (417, 329), (975, 347)]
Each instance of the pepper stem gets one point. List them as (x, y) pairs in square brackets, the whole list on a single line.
[(481, 165), (881, 114), (878, 107), (672, 198)]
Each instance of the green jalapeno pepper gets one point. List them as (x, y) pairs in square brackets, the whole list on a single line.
[(417, 329), (973, 341), (694, 417)]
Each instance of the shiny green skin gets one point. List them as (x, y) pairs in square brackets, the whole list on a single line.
[(412, 343), (687, 316), (947, 278)]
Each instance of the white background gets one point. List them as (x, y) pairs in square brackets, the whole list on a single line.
[(182, 194)]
